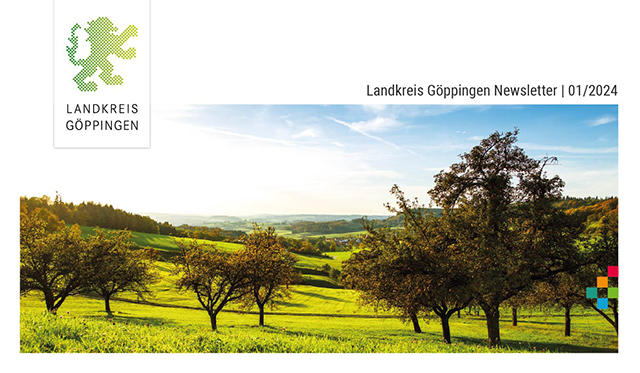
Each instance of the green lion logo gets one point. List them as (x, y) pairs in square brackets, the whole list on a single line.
[(104, 42)]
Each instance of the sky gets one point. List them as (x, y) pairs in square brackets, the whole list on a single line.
[(243, 160)]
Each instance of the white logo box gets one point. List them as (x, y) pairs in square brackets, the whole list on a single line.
[(104, 130)]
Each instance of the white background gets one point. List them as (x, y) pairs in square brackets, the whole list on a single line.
[(325, 52)]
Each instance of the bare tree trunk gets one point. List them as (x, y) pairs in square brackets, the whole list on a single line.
[(615, 316), (567, 321), (214, 322), (107, 306), (492, 313), (458, 313), (416, 323), (514, 316), (49, 301), (446, 331), (261, 323)]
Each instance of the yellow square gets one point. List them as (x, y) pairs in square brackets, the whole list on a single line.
[(603, 282)]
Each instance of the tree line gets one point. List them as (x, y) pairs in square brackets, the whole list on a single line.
[(344, 226), (502, 240), (106, 216), (57, 262)]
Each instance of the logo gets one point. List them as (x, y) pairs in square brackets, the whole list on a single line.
[(104, 43), (101, 90), (602, 282)]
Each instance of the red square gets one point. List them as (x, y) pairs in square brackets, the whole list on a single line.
[(612, 271)]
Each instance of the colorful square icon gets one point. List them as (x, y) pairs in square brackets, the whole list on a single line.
[(603, 303), (612, 271), (612, 293), (603, 282), (592, 293)]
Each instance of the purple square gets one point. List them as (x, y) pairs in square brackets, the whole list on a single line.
[(603, 303), (612, 271)]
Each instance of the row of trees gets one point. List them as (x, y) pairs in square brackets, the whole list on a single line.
[(204, 233), (58, 262), (501, 237), (326, 227), (92, 214), (257, 275), (568, 202)]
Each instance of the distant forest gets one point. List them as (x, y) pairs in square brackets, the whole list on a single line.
[(346, 226), (106, 216), (593, 212), (590, 210)]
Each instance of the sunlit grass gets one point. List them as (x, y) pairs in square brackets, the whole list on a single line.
[(314, 319), (321, 316)]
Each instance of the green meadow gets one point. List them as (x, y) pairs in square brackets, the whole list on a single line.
[(320, 316), (166, 243)]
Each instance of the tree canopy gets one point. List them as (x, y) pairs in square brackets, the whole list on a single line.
[(506, 222), (216, 278)]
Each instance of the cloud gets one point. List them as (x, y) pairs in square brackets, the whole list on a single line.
[(602, 120), (308, 133), (239, 135), (476, 138), (378, 124), (359, 127), (570, 149), (337, 144)]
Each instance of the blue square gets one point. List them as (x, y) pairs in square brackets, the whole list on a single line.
[(592, 293), (603, 303)]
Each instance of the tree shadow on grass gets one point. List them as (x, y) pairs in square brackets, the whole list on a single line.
[(321, 283), (521, 345), (529, 321), (293, 305), (309, 271), (435, 337), (315, 295), (122, 317)]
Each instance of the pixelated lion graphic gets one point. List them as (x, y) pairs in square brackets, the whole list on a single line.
[(104, 42)]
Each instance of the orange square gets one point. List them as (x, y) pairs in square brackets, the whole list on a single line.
[(603, 282)]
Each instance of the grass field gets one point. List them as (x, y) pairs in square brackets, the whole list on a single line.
[(309, 265), (311, 322), (318, 318), (167, 243), (340, 256)]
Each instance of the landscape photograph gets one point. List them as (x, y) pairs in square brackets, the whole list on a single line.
[(330, 229)]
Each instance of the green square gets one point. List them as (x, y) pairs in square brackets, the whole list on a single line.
[(613, 293), (592, 293)]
